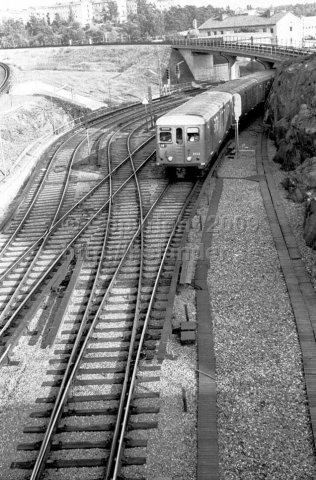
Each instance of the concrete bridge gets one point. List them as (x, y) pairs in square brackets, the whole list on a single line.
[(199, 55)]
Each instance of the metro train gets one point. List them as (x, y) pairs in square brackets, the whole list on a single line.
[(189, 135)]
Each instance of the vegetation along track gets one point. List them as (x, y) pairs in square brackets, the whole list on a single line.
[(82, 266), (67, 200)]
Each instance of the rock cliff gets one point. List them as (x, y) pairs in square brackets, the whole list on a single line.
[(292, 111), (291, 114)]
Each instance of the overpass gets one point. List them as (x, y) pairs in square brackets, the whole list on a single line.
[(199, 54)]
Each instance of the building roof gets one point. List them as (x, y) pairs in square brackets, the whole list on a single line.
[(240, 21)]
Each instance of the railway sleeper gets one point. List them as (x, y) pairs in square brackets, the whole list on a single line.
[(77, 412), (57, 446)]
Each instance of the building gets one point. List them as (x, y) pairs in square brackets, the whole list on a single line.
[(23, 15), (309, 27), (164, 4), (282, 28), (124, 7), (83, 11)]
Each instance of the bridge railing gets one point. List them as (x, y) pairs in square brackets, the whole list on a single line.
[(236, 44)]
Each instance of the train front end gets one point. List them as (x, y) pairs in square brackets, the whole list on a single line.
[(180, 141)]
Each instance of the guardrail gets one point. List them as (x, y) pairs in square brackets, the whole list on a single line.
[(239, 44)]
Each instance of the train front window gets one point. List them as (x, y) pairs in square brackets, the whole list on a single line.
[(179, 136), (165, 137), (193, 134)]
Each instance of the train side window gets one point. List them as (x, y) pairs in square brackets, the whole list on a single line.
[(193, 135), (165, 137), (179, 136)]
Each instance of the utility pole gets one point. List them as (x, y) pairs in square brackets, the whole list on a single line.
[(237, 114), (145, 103), (159, 72), (150, 98)]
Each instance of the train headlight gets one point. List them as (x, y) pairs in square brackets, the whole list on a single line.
[(189, 159), (170, 159), (163, 145)]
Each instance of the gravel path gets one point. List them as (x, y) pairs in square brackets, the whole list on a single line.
[(264, 430)]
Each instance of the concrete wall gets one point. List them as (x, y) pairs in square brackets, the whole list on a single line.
[(203, 68)]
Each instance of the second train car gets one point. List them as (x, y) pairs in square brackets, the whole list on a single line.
[(189, 135)]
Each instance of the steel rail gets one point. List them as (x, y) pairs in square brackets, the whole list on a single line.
[(77, 204), (67, 213), (70, 244), (7, 74), (48, 170), (9, 322), (61, 398), (73, 364), (117, 450), (135, 323), (35, 197), (45, 239)]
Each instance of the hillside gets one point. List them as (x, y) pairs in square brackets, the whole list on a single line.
[(113, 75)]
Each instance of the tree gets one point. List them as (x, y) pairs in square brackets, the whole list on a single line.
[(35, 25), (57, 23), (149, 20), (13, 33), (71, 16), (113, 11)]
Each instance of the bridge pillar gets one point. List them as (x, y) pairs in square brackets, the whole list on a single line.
[(232, 66), (201, 64)]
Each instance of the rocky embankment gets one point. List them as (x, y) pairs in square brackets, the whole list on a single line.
[(33, 119), (291, 113)]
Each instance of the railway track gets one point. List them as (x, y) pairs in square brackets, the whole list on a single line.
[(124, 316), (102, 308), (5, 78), (61, 210), (97, 252)]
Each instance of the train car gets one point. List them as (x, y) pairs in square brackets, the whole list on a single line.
[(189, 135)]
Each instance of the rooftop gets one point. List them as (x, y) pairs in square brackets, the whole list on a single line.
[(242, 21)]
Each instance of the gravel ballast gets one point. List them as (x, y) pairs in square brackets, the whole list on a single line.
[(263, 424)]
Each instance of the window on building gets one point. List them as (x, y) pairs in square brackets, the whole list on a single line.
[(209, 34), (215, 33), (264, 29), (222, 32), (271, 30), (291, 28)]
